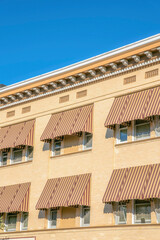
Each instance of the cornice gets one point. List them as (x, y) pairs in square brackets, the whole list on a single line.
[(82, 83)]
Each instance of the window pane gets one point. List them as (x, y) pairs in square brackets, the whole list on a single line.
[(30, 152), (122, 214), (4, 158), (12, 219), (86, 215), (17, 155), (53, 218), (143, 213), (123, 135), (25, 221), (88, 140), (142, 131), (57, 147), (157, 210)]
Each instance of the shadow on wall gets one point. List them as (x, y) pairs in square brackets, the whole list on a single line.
[(41, 214), (45, 146), (107, 208), (109, 133)]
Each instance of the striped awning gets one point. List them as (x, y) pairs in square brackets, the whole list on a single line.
[(68, 123), (14, 198), (20, 134), (65, 192), (141, 182), (134, 106)]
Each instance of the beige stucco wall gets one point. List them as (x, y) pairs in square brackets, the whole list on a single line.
[(100, 161)]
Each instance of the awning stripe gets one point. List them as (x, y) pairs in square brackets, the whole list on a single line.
[(65, 192), (134, 106), (68, 123), (17, 135), (14, 198), (142, 182)]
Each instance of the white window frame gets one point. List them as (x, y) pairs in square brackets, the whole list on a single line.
[(1, 158), (6, 224), (12, 153), (141, 124), (118, 129), (49, 219), (134, 215), (82, 224), (84, 140), (26, 154), (117, 222), (22, 228)]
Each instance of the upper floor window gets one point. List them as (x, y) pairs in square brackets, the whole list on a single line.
[(142, 213), (122, 134), (17, 155), (85, 218), (24, 221), (11, 221), (4, 156), (29, 153), (142, 129), (52, 218), (121, 214), (57, 146), (157, 210), (87, 140)]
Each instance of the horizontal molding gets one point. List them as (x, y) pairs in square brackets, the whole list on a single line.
[(95, 79)]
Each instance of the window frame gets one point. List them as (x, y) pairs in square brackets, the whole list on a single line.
[(117, 222), (12, 155), (10, 230), (50, 220), (26, 153), (138, 221), (22, 228), (85, 134), (53, 148), (82, 224), (141, 124), (118, 130), (1, 158)]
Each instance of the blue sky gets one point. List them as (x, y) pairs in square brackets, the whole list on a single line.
[(37, 36)]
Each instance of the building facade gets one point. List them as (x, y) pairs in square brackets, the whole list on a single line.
[(79, 149)]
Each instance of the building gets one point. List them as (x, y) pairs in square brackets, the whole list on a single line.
[(80, 155)]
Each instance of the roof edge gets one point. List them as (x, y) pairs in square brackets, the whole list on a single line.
[(83, 63)]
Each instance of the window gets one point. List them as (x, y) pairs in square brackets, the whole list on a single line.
[(24, 221), (17, 155), (121, 214), (11, 221), (142, 129), (29, 153), (4, 156), (52, 219), (157, 210), (122, 134), (85, 220), (87, 140), (56, 147), (157, 127), (142, 212)]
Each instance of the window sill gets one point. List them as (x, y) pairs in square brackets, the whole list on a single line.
[(138, 141), (15, 164), (65, 154)]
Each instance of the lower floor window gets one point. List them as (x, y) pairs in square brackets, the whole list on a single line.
[(11, 221), (52, 218), (24, 222), (121, 214), (85, 216), (142, 211)]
